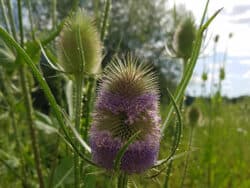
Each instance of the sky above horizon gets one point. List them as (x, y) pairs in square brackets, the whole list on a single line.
[(234, 18)]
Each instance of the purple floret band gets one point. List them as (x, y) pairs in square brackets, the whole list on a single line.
[(140, 155), (132, 107)]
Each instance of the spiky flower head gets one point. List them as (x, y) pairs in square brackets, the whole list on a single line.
[(127, 102), (216, 38), (194, 115), (204, 76), (79, 45), (184, 38), (222, 73)]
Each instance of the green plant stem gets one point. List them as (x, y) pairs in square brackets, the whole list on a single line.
[(12, 23), (5, 18), (78, 105), (96, 11), (31, 20), (19, 3), (176, 141), (89, 104), (27, 97), (30, 121), (28, 101), (187, 157), (54, 19), (105, 18), (122, 180), (169, 168), (10, 100), (54, 164), (78, 102)]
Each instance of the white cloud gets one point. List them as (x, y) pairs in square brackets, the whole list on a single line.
[(245, 62), (196, 79), (246, 75), (234, 18)]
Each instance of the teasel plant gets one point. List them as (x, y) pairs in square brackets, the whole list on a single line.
[(222, 69), (126, 123), (204, 78), (193, 117), (213, 97)]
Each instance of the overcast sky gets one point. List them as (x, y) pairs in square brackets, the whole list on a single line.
[(234, 18)]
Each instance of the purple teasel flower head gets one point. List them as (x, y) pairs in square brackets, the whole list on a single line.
[(127, 102)]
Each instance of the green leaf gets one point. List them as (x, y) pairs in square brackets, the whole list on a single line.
[(45, 128), (107, 9), (79, 138), (177, 156), (123, 149), (7, 56), (166, 161), (64, 172), (43, 117), (51, 64), (76, 134)]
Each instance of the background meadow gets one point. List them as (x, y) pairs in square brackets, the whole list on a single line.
[(42, 135)]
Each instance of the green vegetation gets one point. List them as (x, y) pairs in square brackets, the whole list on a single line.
[(51, 57)]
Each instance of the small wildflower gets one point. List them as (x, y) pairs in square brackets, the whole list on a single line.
[(127, 102)]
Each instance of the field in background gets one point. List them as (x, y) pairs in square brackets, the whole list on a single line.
[(229, 143)]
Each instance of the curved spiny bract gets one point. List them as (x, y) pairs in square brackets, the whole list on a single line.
[(127, 102)]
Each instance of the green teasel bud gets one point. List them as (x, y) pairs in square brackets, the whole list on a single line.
[(79, 47), (204, 76), (193, 115), (222, 73), (230, 35), (184, 38), (216, 38)]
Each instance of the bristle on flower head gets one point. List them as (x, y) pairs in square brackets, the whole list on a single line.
[(128, 76), (127, 102)]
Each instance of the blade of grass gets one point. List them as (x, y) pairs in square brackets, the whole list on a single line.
[(5, 18)]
